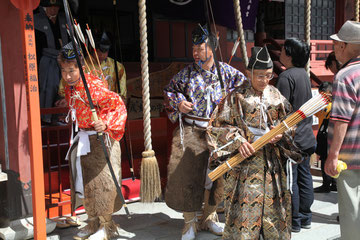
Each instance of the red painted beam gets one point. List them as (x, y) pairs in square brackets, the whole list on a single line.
[(35, 146)]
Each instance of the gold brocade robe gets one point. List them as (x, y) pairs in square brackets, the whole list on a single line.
[(256, 197)]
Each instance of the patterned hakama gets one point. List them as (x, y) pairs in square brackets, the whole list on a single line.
[(256, 200)]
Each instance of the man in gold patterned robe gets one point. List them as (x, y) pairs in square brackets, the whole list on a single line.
[(103, 45), (257, 200)]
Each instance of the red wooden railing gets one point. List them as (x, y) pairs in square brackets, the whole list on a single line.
[(55, 143), (320, 49)]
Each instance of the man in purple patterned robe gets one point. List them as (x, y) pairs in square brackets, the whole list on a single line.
[(190, 98)]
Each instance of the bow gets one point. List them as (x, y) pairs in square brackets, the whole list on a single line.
[(94, 115), (212, 45)]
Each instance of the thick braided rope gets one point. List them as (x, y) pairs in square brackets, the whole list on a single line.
[(145, 75), (308, 30), (240, 31), (357, 6)]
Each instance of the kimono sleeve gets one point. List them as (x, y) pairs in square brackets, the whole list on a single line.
[(223, 128), (287, 146), (122, 79), (284, 110), (112, 112), (174, 93), (236, 78), (61, 90)]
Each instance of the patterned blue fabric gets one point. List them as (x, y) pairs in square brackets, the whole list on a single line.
[(197, 85)]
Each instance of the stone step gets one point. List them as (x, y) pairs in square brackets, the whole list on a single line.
[(24, 229)]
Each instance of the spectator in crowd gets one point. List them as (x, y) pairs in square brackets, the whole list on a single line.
[(294, 85), (344, 128), (329, 183)]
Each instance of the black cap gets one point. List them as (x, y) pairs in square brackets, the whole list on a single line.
[(48, 3), (102, 42), (260, 58), (68, 51), (201, 35)]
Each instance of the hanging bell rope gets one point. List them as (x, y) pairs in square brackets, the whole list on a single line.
[(240, 31), (150, 188), (357, 6), (308, 30)]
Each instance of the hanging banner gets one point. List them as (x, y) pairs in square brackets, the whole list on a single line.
[(224, 13), (180, 2)]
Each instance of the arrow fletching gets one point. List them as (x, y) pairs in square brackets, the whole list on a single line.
[(236, 45), (91, 39), (78, 32)]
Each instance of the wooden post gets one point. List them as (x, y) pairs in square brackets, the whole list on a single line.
[(357, 6), (33, 106)]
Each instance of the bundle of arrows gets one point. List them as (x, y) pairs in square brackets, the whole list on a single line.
[(309, 108)]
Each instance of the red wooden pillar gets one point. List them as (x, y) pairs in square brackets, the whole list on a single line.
[(344, 11), (33, 106), (32, 95)]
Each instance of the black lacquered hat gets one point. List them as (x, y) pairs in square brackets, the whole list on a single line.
[(102, 42), (68, 51), (260, 58), (48, 3), (199, 35)]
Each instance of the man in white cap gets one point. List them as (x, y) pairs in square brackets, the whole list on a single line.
[(344, 128)]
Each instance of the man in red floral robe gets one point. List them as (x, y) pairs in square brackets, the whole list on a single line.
[(91, 182)]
